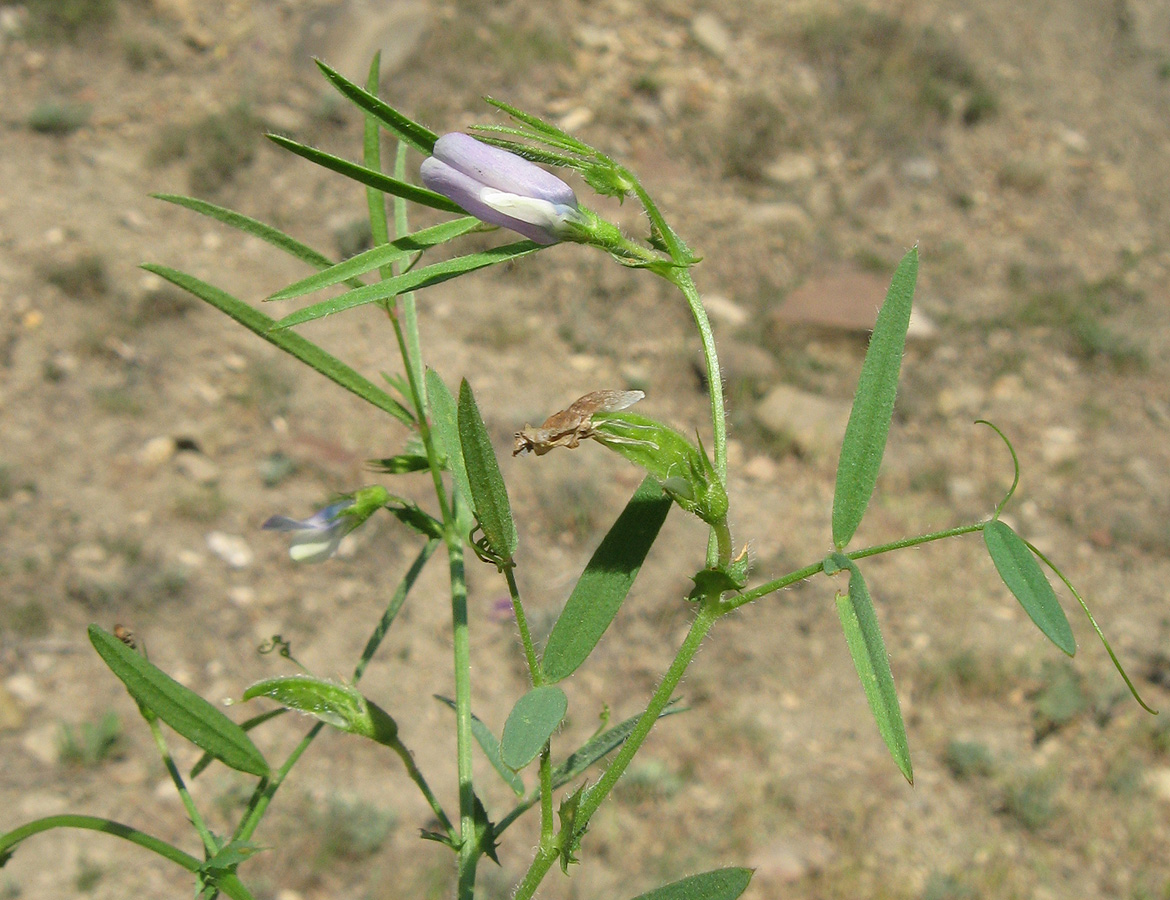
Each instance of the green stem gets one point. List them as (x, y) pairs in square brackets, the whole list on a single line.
[(681, 278), (268, 787), (534, 673), (417, 777), (107, 826), (709, 611), (546, 798), (209, 842), (392, 608), (468, 848), (808, 571)]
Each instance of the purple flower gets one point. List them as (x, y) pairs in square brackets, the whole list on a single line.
[(316, 538), (501, 188)]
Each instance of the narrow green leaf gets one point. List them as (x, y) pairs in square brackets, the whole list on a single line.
[(873, 405), (718, 884), (418, 136), (180, 707), (372, 158), (599, 746), (377, 257), (288, 341), (400, 464), (248, 724), (339, 705), (409, 281), (368, 177), (273, 236), (488, 492), (1025, 579), (606, 581), (445, 422), (491, 749), (530, 724), (868, 650)]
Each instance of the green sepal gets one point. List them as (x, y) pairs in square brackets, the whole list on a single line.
[(683, 470), (228, 856), (716, 580), (413, 516), (338, 705), (485, 831), (569, 838)]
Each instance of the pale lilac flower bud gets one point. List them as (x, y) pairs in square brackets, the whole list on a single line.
[(501, 188)]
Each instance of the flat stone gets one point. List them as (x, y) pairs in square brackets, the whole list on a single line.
[(711, 34), (816, 424), (156, 452), (847, 300)]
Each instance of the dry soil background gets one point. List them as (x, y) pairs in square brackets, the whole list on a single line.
[(800, 148)]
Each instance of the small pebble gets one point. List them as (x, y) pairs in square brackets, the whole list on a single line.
[(231, 548)]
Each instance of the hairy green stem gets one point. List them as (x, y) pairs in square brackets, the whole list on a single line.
[(468, 848), (681, 278), (709, 611), (534, 673), (546, 797), (808, 571)]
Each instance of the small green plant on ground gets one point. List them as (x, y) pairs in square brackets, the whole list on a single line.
[(90, 744)]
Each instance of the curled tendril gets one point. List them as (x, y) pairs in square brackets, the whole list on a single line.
[(1015, 466), (277, 644), (1097, 628), (484, 551)]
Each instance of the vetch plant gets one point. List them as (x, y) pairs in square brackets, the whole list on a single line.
[(498, 179)]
